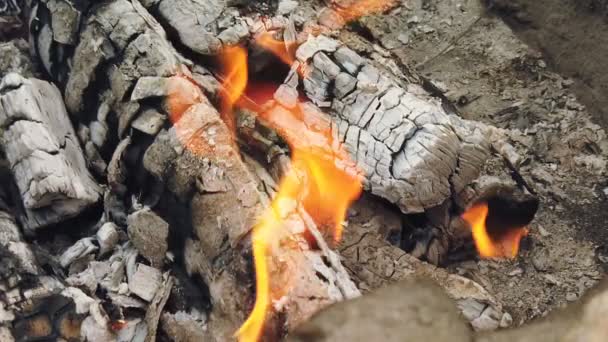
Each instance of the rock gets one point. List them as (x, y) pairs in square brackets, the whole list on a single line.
[(541, 260), (506, 320), (406, 311), (145, 281), (107, 237), (148, 233)]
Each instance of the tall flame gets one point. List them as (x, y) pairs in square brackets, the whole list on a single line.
[(233, 65), (322, 179), (506, 245)]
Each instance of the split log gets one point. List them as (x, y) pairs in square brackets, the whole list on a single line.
[(43, 152)]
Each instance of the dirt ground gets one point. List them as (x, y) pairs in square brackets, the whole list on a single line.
[(474, 59), (563, 29)]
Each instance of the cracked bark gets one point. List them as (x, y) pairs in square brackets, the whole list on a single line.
[(412, 152)]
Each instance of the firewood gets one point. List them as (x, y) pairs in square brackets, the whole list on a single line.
[(43, 152), (413, 153)]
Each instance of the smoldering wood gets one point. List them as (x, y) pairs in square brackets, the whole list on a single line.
[(412, 152), (43, 151)]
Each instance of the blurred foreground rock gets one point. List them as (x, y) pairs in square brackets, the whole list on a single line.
[(417, 310)]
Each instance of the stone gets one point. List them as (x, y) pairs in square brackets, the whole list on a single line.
[(413, 310), (541, 260), (148, 233)]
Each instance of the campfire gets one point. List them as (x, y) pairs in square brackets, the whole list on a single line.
[(235, 171)]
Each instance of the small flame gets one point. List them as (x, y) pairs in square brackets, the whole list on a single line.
[(322, 178), (285, 51), (359, 8), (504, 246), (233, 65)]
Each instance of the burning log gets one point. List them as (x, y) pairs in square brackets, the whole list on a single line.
[(413, 153), (225, 208), (196, 160)]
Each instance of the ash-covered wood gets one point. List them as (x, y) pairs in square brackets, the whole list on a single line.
[(43, 151), (413, 153)]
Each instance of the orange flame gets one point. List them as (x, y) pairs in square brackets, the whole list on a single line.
[(285, 51), (359, 8), (322, 179), (233, 64), (488, 246)]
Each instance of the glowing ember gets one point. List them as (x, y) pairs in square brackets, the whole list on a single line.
[(359, 8), (504, 244)]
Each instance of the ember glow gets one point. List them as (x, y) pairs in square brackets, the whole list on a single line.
[(282, 50), (504, 244), (359, 8)]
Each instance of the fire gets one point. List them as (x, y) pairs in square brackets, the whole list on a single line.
[(322, 179), (504, 244), (285, 51), (233, 65)]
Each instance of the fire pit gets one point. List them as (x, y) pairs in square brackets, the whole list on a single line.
[(258, 171)]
